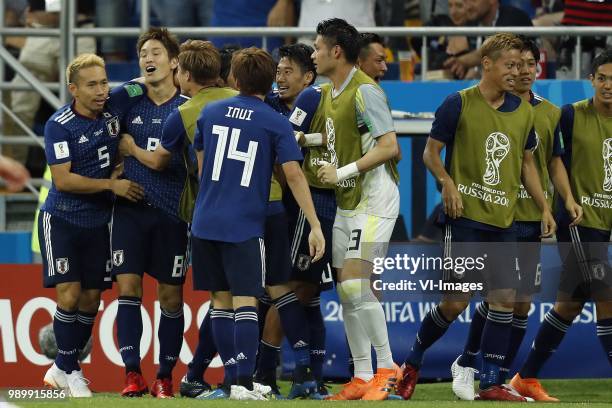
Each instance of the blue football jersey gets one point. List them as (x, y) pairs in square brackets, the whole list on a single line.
[(90, 145), (304, 108), (242, 138), (273, 99), (145, 122)]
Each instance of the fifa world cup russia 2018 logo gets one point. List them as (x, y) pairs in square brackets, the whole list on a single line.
[(606, 151), (331, 141), (497, 147)]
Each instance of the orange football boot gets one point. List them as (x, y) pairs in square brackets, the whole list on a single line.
[(531, 387)]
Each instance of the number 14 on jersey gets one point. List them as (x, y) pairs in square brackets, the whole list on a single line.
[(248, 157)]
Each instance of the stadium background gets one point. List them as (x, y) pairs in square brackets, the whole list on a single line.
[(25, 307)]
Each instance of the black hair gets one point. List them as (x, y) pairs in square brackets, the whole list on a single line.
[(300, 54), (338, 32), (365, 39), (226, 53), (529, 44), (603, 58)]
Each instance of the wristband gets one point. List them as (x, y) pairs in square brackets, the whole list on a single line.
[(313, 139), (348, 171)]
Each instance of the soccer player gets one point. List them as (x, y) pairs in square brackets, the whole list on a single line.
[(295, 71), (149, 236), (230, 214), (586, 127), (199, 66), (81, 141), (547, 155), (372, 56), (488, 133), (361, 142)]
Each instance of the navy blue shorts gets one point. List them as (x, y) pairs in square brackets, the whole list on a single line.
[(237, 267), (320, 272), (276, 238), (74, 254), (147, 239), (529, 248), (586, 272), (495, 249)]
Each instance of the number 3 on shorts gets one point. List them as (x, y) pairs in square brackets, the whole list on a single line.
[(356, 239)]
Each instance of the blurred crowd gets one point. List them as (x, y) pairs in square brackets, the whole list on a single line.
[(449, 56)]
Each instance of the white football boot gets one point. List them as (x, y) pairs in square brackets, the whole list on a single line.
[(77, 385), (55, 378), (463, 381)]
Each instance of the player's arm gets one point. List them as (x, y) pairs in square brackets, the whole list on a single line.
[(531, 180), (451, 199), (13, 173), (157, 159), (304, 109), (371, 105), (442, 134), (198, 146), (123, 97), (69, 182), (59, 159), (301, 192), (560, 180), (288, 155)]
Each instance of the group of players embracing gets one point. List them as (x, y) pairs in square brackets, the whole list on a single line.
[(275, 196)]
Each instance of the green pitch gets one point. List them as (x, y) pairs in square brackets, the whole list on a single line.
[(572, 393)]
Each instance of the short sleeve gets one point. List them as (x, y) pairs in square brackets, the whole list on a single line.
[(304, 109), (566, 124), (558, 148), (286, 147), (371, 104), (447, 119), (173, 133), (57, 150), (531, 140), (123, 97), (198, 137)]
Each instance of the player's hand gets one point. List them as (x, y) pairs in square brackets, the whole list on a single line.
[(126, 144), (13, 173), (549, 226), (575, 212), (456, 66), (328, 174), (299, 138), (117, 171), (127, 189), (451, 199), (316, 242)]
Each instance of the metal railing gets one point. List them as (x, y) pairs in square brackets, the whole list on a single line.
[(67, 34)]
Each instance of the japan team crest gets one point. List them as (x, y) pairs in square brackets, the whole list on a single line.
[(113, 126), (62, 265), (303, 262), (118, 257)]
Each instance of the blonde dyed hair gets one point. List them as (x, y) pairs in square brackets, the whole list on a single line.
[(494, 45), (81, 62)]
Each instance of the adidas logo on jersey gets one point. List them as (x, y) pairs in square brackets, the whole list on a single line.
[(299, 344), (137, 120), (241, 356), (83, 139), (230, 362)]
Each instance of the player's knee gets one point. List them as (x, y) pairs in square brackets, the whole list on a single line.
[(171, 301), (68, 296), (604, 310), (305, 291), (130, 285), (522, 308), (452, 309), (89, 301), (277, 291), (568, 310)]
